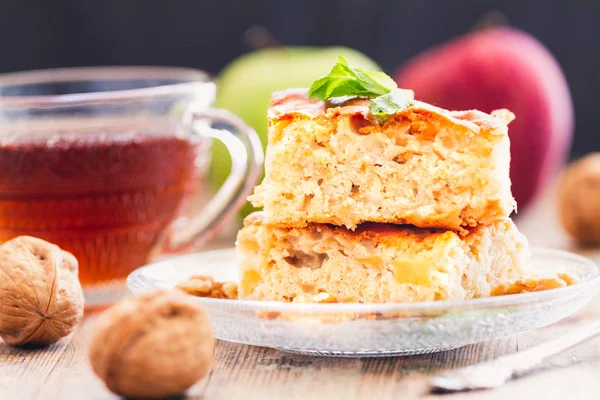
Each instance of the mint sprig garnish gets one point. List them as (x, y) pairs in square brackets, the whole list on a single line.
[(347, 80), (390, 103)]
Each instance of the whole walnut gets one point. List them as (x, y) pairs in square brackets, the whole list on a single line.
[(152, 346), (579, 199), (41, 299)]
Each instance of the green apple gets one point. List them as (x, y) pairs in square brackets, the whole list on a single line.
[(245, 85)]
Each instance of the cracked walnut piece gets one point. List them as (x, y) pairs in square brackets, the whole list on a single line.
[(41, 299), (152, 346), (205, 286)]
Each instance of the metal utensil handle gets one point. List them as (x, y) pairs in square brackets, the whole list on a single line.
[(524, 361), (489, 374)]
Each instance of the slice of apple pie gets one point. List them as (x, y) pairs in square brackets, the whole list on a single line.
[(331, 162), (376, 262)]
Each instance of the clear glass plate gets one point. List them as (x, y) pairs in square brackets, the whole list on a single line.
[(375, 329)]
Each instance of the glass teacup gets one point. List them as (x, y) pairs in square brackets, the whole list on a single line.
[(105, 163)]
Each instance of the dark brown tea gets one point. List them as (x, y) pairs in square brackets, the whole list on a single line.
[(103, 192)]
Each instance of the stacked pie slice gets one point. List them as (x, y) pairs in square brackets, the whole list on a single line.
[(416, 208)]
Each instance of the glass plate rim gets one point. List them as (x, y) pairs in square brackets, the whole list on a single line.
[(520, 299)]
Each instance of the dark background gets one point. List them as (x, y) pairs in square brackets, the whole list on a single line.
[(208, 34)]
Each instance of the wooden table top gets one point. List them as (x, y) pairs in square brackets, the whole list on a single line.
[(61, 371)]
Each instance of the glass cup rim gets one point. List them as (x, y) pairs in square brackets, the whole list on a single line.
[(193, 79)]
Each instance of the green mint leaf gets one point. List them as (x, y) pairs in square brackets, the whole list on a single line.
[(390, 103), (347, 80)]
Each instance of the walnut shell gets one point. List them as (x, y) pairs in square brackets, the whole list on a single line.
[(41, 299), (579, 199), (153, 346)]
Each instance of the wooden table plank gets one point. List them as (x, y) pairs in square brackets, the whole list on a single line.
[(72, 377), (24, 368), (272, 374), (260, 373)]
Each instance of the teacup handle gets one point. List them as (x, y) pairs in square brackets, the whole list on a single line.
[(243, 144)]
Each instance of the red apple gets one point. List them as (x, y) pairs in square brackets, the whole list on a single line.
[(503, 68)]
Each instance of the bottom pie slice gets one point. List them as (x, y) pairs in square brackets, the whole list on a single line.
[(379, 262)]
